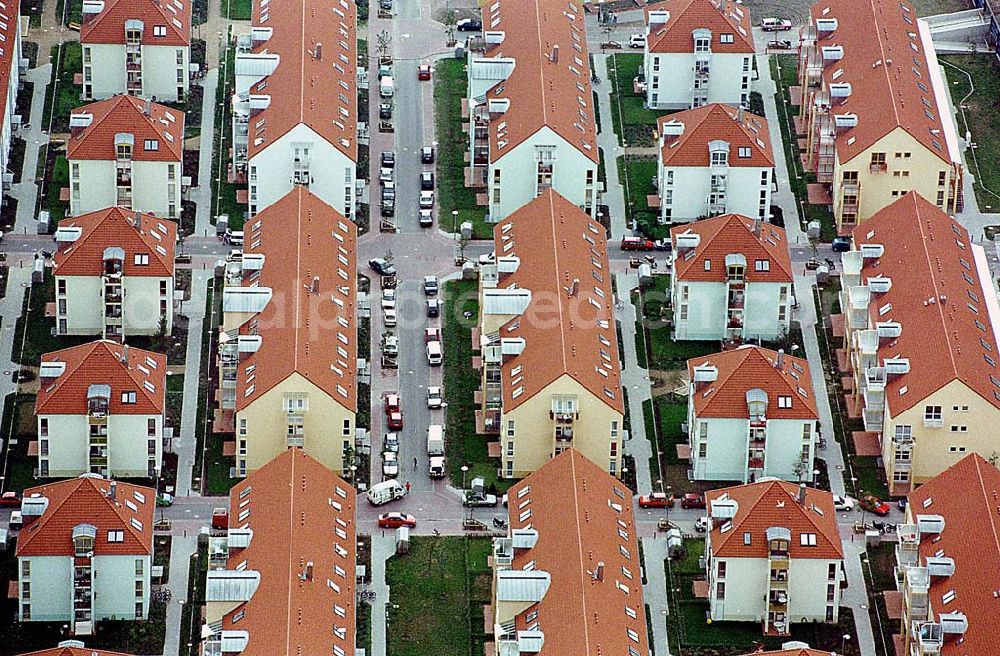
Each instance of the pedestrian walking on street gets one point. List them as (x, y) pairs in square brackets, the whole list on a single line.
[(407, 487), (414, 464)]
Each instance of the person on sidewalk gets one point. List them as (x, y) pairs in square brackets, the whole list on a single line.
[(407, 487)]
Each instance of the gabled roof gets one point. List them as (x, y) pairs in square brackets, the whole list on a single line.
[(116, 227), (100, 363), (686, 16), (753, 367), (73, 651), (544, 91), (890, 63), (128, 115), (716, 122), (593, 522), (770, 504), (86, 500), (966, 495), (305, 242), (942, 297), (300, 512), (565, 333), (108, 26), (732, 234), (317, 91)]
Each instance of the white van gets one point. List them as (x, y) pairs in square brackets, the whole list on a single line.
[(434, 354), (385, 492)]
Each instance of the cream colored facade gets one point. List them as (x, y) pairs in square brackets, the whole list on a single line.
[(529, 438), (265, 427), (150, 186), (916, 449), (117, 445), (862, 187), (161, 71), (81, 307)]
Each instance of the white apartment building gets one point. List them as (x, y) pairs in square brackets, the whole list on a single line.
[(751, 413), (138, 47), (85, 553), (100, 411), (714, 160), (697, 52), (773, 556), (295, 105), (731, 278), (126, 152), (532, 123), (10, 79), (123, 258)]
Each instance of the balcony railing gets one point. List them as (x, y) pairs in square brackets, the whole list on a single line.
[(933, 422), (878, 167)]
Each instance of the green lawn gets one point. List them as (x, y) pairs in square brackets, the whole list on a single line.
[(59, 179), (450, 87), (438, 591), (979, 118), (18, 426), (783, 72), (649, 421), (463, 445), (38, 339), (236, 9), (224, 199), (67, 94), (633, 123)]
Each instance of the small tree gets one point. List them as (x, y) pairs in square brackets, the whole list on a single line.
[(463, 243), (449, 25), (383, 44)]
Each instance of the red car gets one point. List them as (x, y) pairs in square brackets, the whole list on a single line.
[(656, 500), (395, 420), (10, 500), (424, 72), (693, 500), (637, 244), (396, 519), (220, 518), (391, 400), (875, 506)]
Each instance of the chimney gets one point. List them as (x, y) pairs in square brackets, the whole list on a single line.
[(779, 362), (802, 494), (314, 288), (137, 220), (575, 289), (125, 355), (599, 571), (113, 490), (555, 54), (756, 226), (319, 50), (309, 571), (147, 107)]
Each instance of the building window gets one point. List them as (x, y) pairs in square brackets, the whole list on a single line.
[(26, 612), (784, 402), (720, 158), (510, 449), (138, 610), (159, 30), (932, 413), (762, 265), (151, 427), (720, 590), (725, 38), (141, 259), (959, 428), (116, 536), (747, 538), (139, 569), (830, 591), (743, 152), (720, 568), (510, 432), (43, 427), (243, 426), (26, 590), (25, 569), (807, 539), (901, 476), (138, 588), (829, 613), (831, 572), (128, 397)]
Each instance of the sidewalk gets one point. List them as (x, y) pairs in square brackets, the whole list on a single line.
[(383, 548), (26, 191), (856, 596), (184, 443), (607, 141), (181, 549), (10, 310), (636, 382), (654, 553), (202, 194)]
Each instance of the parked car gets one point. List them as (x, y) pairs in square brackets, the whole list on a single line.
[(843, 503), (391, 442), (390, 464), (427, 180), (663, 244), (693, 500), (164, 500), (388, 207), (433, 307), (389, 317), (10, 500), (389, 190), (874, 505), (390, 402), (637, 41), (382, 267), (426, 218), (426, 200), (469, 25), (394, 420), (432, 335), (424, 72), (656, 500), (389, 158), (385, 175), (396, 519), (637, 244), (385, 111), (434, 399), (779, 44), (220, 518), (841, 244), (610, 45), (430, 285), (427, 155), (385, 5), (388, 298), (702, 524), (488, 258), (775, 24), (473, 501)]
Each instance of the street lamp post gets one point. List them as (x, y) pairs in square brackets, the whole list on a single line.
[(843, 641), (465, 492)]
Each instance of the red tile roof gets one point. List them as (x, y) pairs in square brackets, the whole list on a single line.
[(127, 114), (115, 227), (686, 16), (564, 333), (775, 503), (73, 651), (303, 239), (752, 367), (799, 651), (542, 92), (592, 522), (108, 26), (893, 71), (100, 363), (85, 500), (319, 92), (732, 234), (966, 495), (937, 295), (300, 512), (708, 123)]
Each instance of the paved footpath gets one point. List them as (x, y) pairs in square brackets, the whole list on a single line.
[(654, 554), (10, 310), (383, 548), (184, 444), (636, 381), (181, 550), (202, 194)]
